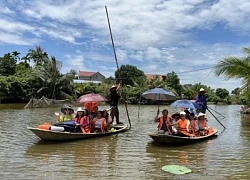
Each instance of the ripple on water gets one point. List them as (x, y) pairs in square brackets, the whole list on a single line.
[(129, 155)]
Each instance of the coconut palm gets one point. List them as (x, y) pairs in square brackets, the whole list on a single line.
[(54, 84), (234, 67), (38, 55)]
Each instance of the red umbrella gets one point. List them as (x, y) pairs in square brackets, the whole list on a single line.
[(91, 97)]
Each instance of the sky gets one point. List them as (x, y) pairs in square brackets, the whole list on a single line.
[(156, 36)]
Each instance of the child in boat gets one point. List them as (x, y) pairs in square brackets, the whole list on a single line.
[(82, 120), (194, 128), (67, 114), (99, 123), (175, 117), (183, 125), (105, 115), (165, 125)]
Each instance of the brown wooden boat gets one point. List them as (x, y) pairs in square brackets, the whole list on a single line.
[(171, 139), (49, 135)]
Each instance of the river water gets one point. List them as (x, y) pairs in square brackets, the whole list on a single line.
[(129, 155)]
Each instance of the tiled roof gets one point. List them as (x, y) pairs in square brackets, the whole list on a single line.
[(86, 73), (151, 76)]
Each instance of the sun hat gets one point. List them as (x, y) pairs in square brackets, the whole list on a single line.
[(175, 114), (182, 113), (67, 107), (205, 116), (201, 89), (201, 114), (114, 86), (80, 109)]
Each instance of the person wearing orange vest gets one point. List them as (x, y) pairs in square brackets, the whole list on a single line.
[(183, 125), (82, 120), (202, 123), (165, 122), (99, 123), (90, 105)]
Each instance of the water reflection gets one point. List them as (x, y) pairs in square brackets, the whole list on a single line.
[(128, 155)]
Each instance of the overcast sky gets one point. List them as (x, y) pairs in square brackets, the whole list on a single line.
[(156, 36)]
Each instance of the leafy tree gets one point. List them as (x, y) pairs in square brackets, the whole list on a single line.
[(173, 81), (222, 93), (236, 91), (127, 73), (38, 55), (4, 87), (7, 65), (110, 80), (54, 84)]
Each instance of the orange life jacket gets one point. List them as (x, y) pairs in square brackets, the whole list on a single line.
[(90, 105), (182, 125), (84, 124), (169, 127), (102, 123), (194, 128)]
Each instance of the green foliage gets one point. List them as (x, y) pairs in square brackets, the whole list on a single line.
[(234, 67), (222, 93), (4, 86), (236, 91), (7, 65), (127, 72), (173, 81)]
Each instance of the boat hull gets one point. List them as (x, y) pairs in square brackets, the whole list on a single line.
[(170, 139), (48, 135)]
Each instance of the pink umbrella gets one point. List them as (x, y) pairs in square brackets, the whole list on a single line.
[(91, 97)]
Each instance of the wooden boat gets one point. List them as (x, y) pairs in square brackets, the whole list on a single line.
[(170, 139), (49, 135)]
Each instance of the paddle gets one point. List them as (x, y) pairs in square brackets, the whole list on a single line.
[(216, 111), (216, 118), (113, 45)]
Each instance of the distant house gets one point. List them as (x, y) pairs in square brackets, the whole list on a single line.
[(151, 76), (86, 76)]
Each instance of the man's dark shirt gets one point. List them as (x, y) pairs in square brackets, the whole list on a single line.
[(114, 98)]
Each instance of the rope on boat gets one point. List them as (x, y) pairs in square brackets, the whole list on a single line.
[(124, 95)]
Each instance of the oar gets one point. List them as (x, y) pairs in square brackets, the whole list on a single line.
[(117, 63), (216, 118), (216, 111)]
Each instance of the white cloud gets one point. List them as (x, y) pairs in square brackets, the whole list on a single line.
[(73, 61), (157, 35)]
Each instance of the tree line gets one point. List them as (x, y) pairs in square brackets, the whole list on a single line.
[(37, 74)]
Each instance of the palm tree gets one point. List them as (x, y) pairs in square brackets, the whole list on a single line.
[(234, 67), (15, 55), (38, 55), (53, 82)]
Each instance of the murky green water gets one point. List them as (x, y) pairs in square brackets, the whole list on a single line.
[(130, 155)]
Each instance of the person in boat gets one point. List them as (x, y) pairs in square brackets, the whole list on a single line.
[(93, 113), (194, 128), (99, 123), (165, 122), (90, 105), (202, 101), (202, 124), (114, 101), (175, 117), (183, 125), (105, 115), (82, 120), (67, 114)]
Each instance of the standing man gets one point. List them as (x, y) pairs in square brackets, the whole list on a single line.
[(114, 101), (202, 101)]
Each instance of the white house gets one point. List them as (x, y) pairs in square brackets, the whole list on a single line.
[(86, 76)]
